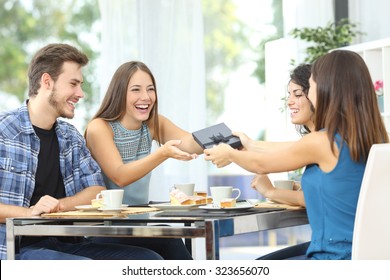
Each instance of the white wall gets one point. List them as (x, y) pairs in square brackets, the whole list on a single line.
[(372, 17)]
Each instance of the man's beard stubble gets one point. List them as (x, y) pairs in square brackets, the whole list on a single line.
[(57, 106)]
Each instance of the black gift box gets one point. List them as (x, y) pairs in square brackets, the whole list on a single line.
[(213, 135)]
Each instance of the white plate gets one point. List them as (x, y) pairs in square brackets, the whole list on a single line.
[(239, 207), (253, 201), (168, 206), (86, 208)]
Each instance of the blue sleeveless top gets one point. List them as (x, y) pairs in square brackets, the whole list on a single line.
[(331, 200), (132, 145)]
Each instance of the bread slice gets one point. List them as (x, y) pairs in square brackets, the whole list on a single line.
[(177, 197), (201, 193), (198, 200)]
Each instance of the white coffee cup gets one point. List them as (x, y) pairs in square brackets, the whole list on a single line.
[(187, 188), (112, 199), (284, 184), (221, 192)]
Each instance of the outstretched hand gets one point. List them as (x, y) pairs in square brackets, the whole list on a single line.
[(245, 140), (218, 155), (171, 150)]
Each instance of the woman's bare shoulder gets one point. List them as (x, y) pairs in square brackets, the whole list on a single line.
[(314, 143), (316, 136), (97, 126)]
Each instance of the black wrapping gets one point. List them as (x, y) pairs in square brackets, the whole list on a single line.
[(213, 135)]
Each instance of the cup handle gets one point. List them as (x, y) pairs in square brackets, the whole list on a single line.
[(239, 192), (99, 196)]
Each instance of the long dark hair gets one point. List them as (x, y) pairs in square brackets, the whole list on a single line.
[(300, 75), (346, 102), (113, 106)]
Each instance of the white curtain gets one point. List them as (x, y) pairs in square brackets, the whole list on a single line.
[(306, 13), (167, 35)]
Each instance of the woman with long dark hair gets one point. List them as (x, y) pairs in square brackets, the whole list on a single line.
[(347, 122)]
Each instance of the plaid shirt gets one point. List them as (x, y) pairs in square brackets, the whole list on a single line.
[(19, 148)]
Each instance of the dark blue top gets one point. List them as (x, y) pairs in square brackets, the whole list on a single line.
[(331, 200)]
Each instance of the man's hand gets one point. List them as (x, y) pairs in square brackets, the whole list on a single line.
[(46, 204)]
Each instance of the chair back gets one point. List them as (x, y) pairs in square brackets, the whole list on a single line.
[(371, 236)]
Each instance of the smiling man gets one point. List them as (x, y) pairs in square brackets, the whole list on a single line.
[(45, 165)]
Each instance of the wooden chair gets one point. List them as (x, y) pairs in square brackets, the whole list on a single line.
[(371, 237)]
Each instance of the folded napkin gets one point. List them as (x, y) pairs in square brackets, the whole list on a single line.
[(139, 210), (81, 213)]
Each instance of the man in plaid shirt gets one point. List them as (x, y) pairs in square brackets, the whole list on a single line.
[(45, 165)]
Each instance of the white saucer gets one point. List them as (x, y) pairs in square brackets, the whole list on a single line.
[(86, 207), (104, 209), (253, 201), (239, 207)]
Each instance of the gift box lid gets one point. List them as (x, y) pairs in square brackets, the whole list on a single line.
[(213, 135)]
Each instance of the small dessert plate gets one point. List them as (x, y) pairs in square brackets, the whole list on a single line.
[(86, 208), (104, 209), (240, 206)]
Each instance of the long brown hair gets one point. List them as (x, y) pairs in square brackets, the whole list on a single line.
[(346, 102), (113, 106)]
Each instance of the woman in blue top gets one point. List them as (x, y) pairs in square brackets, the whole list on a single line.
[(347, 123), (120, 139)]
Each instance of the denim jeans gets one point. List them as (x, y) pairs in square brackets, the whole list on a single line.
[(52, 249), (168, 248)]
